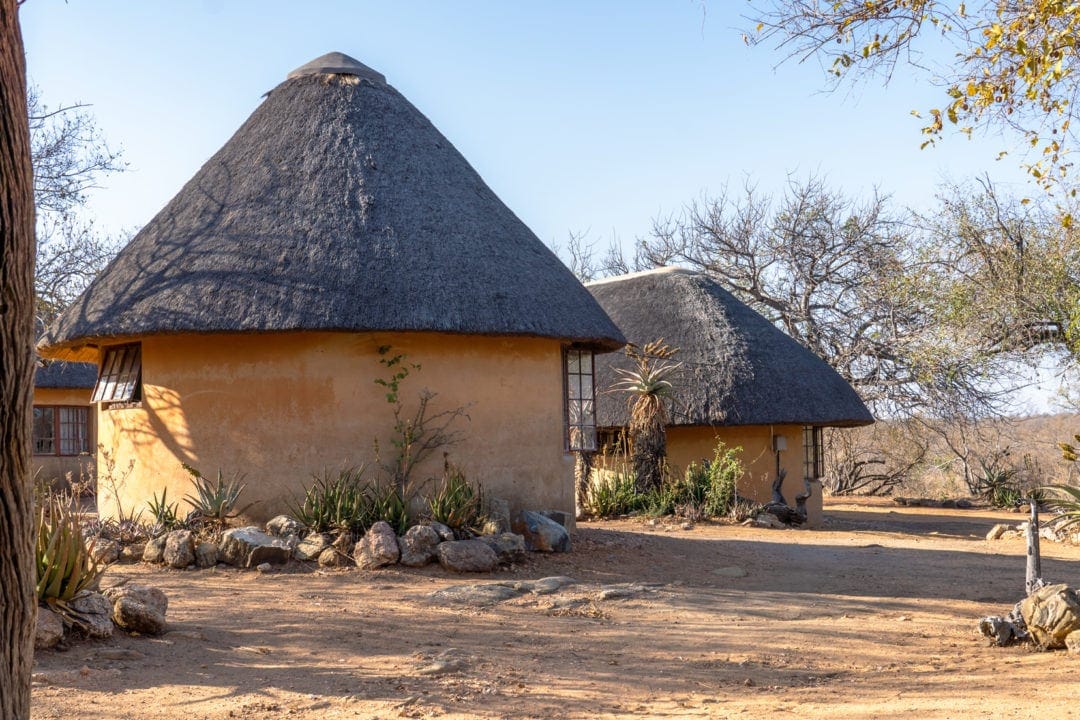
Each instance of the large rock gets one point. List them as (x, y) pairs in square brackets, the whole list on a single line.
[(206, 554), (419, 546), (467, 556), (154, 550), (332, 557), (340, 552), (284, 526), (49, 630), (133, 552), (1051, 613), (498, 516), (559, 516), (1072, 642), (139, 608), (446, 533), (93, 613), (542, 534), (105, 551), (378, 548), (179, 549), (311, 547), (509, 547), (250, 546)]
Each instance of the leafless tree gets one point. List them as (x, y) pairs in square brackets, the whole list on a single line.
[(17, 599), (845, 278), (873, 460), (70, 157), (580, 255)]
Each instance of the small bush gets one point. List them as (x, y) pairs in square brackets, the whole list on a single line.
[(456, 504), (704, 491), (612, 493), (65, 566), (334, 503)]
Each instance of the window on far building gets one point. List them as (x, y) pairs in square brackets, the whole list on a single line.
[(61, 430), (813, 453)]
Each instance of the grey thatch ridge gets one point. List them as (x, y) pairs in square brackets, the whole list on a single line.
[(56, 374), (737, 367), (337, 206)]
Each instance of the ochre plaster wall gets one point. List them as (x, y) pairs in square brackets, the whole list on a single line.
[(693, 444), (54, 468), (279, 408)]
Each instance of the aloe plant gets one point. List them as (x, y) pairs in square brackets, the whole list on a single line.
[(164, 512), (215, 500), (1067, 505), (335, 502), (65, 565), (455, 503)]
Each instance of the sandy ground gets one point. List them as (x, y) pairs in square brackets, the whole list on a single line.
[(873, 616)]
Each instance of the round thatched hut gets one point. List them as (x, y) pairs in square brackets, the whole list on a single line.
[(241, 328), (741, 381)]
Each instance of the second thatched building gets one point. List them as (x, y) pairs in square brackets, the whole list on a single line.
[(741, 381)]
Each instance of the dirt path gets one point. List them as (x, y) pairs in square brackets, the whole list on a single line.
[(872, 617)]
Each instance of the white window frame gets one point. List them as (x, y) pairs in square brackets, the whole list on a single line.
[(579, 399)]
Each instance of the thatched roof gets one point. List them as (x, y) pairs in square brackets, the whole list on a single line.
[(737, 367), (65, 375), (337, 206)]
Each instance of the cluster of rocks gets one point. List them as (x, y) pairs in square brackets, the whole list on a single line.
[(1003, 531), (1049, 617), (284, 538), (131, 607)]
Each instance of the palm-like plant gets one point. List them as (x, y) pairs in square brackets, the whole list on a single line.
[(1067, 504), (649, 386)]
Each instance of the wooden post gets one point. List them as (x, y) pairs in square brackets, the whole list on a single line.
[(1034, 562)]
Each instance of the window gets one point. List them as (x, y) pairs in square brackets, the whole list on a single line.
[(580, 400), (61, 430), (813, 453), (120, 376)]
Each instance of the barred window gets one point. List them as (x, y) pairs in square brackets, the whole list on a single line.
[(813, 453), (580, 398), (120, 375), (61, 430)]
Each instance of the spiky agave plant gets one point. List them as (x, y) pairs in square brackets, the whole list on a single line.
[(1067, 502), (649, 386), (64, 560)]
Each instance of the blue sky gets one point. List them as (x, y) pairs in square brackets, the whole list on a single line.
[(583, 117), (590, 117)]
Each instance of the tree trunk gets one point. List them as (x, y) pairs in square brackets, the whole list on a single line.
[(17, 600), (648, 456)]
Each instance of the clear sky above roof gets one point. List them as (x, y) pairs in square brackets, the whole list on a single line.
[(592, 117)]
